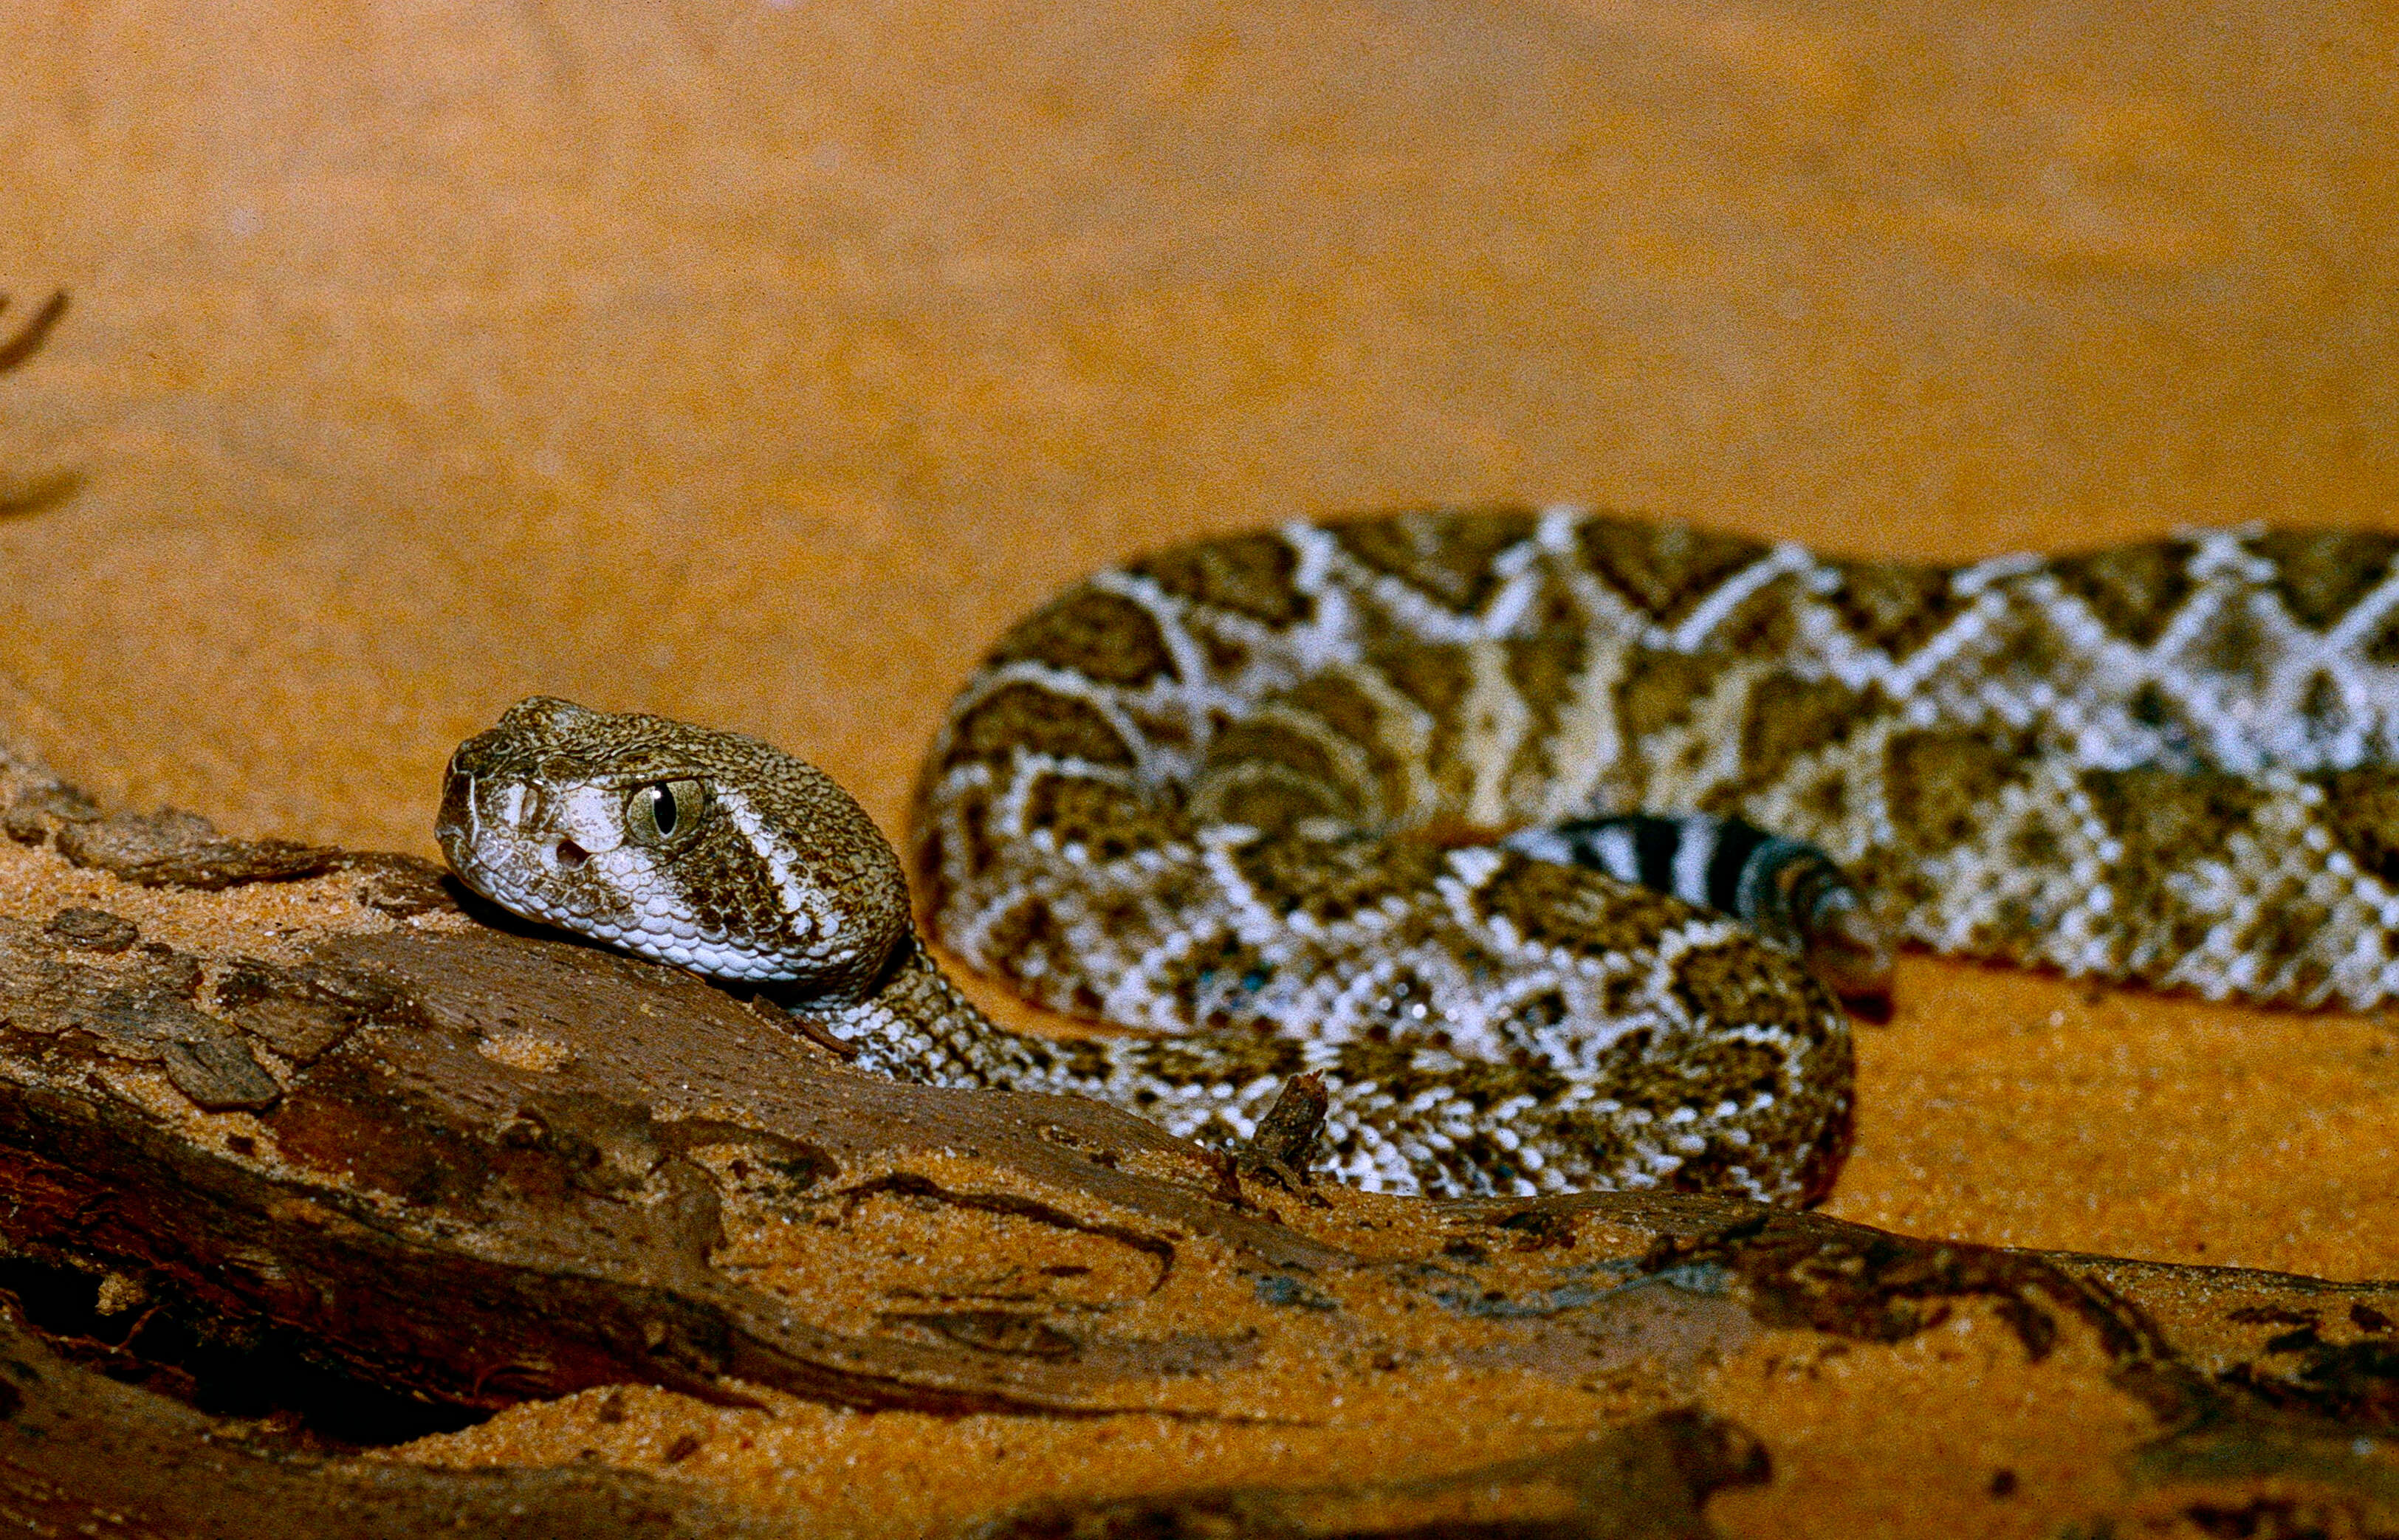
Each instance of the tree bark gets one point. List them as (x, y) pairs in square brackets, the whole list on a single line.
[(386, 1177)]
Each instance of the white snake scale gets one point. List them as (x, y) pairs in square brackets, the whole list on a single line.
[(1246, 794)]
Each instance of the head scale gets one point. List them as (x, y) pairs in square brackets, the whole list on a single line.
[(710, 850)]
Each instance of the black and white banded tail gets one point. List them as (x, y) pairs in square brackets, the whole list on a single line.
[(1788, 892)]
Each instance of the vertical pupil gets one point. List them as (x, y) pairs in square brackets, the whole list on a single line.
[(662, 808)]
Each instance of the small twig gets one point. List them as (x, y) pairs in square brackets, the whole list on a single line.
[(1285, 1141), (29, 340)]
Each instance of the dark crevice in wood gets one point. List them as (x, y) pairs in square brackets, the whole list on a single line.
[(271, 1377)]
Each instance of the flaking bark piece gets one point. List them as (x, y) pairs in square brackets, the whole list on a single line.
[(216, 1069), (139, 1010), (43, 806), (299, 1012), (94, 930), (175, 849)]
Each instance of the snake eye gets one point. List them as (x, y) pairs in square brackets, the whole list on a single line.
[(658, 815)]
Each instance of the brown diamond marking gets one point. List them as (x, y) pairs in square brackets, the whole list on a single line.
[(1250, 575), (1665, 569), (1448, 555), (1790, 717), (2382, 647), (2163, 817), (1661, 689), (2319, 576), (1941, 786), (2361, 806), (2134, 590), (1112, 639), (1893, 608), (1038, 720)]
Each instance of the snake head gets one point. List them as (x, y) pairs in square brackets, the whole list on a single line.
[(709, 850)]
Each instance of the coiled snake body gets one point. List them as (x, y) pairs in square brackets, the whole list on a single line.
[(1380, 798)]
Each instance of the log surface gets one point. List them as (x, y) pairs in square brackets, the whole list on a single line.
[(399, 1166)]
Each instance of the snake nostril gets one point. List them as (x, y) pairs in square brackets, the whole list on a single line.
[(569, 854)]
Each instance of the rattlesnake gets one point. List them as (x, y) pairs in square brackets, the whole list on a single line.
[(1348, 796)]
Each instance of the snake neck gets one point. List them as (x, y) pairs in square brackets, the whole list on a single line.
[(918, 1026)]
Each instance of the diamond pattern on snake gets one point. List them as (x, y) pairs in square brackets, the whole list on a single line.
[(1550, 838)]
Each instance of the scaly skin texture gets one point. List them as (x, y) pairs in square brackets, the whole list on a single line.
[(1628, 1039), (2166, 762), (1248, 795)]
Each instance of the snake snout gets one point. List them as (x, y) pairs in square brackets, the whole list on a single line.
[(452, 824)]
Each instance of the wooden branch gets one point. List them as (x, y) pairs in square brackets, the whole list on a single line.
[(412, 1152)]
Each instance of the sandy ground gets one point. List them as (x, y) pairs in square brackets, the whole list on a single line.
[(756, 362)]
